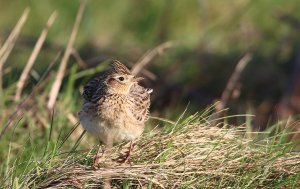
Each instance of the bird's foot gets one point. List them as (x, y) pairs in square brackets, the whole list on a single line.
[(98, 159), (125, 157)]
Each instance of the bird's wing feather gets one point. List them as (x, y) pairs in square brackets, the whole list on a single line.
[(140, 102), (95, 88), (90, 88)]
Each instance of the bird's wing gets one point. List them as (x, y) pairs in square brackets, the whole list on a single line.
[(90, 89), (95, 88), (140, 102)]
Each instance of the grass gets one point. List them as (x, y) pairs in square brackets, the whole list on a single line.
[(188, 153)]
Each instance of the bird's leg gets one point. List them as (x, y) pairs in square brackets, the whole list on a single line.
[(127, 155), (130, 151), (109, 145), (96, 159)]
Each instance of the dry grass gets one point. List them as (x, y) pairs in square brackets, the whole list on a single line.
[(10, 43), (37, 48), (63, 65), (190, 153)]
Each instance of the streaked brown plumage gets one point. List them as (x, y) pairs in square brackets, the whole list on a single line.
[(115, 106)]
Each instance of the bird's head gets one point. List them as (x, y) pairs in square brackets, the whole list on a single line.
[(120, 80)]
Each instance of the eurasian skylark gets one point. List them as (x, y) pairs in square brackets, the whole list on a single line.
[(115, 107)]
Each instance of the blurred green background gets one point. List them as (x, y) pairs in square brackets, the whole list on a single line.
[(211, 37)]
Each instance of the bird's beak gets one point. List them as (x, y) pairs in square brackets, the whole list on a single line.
[(137, 79)]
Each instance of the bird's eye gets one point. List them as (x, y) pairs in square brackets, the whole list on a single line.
[(121, 78)]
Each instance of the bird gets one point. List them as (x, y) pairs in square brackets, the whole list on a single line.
[(115, 108)]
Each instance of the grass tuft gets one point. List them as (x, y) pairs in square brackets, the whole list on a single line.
[(188, 153)]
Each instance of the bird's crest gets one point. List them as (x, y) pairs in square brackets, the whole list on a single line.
[(118, 67)]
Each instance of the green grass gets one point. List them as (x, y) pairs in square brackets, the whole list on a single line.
[(187, 153), (44, 149)]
